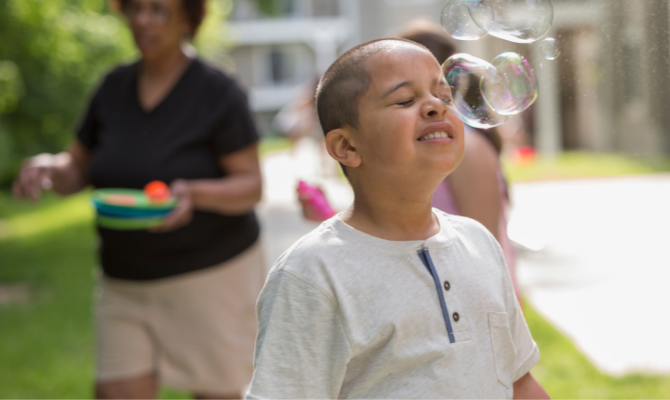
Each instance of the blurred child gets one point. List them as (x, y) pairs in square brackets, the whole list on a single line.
[(392, 298)]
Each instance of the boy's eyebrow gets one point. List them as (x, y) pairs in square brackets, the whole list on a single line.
[(394, 88)]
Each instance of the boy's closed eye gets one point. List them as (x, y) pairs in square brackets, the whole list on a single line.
[(406, 103), (409, 102)]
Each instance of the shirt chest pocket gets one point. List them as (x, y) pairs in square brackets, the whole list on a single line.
[(504, 353)]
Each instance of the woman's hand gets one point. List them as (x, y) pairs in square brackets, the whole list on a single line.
[(183, 213), (64, 173), (36, 175)]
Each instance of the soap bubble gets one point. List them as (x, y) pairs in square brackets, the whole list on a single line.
[(444, 93), (550, 49), (463, 73), (511, 86), (467, 19), (521, 21)]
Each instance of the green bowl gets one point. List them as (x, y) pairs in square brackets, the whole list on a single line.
[(128, 224), (128, 199)]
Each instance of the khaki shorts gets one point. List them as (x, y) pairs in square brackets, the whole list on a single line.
[(196, 331)]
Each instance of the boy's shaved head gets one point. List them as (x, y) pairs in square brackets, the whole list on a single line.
[(347, 79)]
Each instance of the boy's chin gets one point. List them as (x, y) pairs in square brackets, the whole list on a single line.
[(442, 167)]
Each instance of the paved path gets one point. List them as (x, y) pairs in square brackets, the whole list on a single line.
[(601, 275), (604, 274), (280, 211)]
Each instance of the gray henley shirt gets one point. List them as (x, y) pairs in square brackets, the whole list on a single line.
[(347, 315)]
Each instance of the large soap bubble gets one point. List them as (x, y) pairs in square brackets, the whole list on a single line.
[(463, 73), (511, 86), (467, 19), (550, 49), (521, 21)]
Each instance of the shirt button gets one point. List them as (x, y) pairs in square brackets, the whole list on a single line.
[(456, 317), (447, 286)]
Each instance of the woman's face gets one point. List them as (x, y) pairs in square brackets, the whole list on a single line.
[(158, 26)]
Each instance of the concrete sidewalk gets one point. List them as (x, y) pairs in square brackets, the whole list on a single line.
[(601, 273), (603, 276), (280, 212)]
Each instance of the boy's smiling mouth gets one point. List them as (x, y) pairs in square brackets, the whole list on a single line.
[(436, 135), (442, 131)]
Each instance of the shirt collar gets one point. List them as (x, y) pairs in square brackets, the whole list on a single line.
[(443, 238)]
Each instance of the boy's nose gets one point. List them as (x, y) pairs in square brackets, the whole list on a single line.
[(435, 108)]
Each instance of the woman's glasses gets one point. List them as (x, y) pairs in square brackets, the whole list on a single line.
[(155, 12)]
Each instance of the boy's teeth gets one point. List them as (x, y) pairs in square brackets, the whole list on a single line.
[(436, 135)]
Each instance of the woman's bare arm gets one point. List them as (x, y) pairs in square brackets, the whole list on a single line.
[(236, 194), (475, 185), (65, 173)]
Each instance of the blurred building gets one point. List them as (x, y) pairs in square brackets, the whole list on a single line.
[(275, 56), (608, 91)]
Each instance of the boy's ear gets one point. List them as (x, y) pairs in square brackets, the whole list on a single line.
[(338, 144)]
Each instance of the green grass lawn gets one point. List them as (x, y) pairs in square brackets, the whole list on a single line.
[(271, 144), (573, 165), (46, 346), (567, 374), (46, 343)]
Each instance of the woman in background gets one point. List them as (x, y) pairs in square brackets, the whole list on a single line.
[(176, 305)]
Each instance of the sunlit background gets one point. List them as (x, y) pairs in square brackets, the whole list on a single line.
[(588, 164)]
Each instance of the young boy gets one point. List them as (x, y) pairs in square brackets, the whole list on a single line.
[(392, 299)]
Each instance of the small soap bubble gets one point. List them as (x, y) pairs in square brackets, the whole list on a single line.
[(467, 19), (463, 73), (550, 49), (521, 21), (511, 87)]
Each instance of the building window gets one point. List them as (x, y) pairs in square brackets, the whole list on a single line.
[(279, 66), (289, 64)]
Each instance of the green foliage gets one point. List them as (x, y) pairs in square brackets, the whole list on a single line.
[(51, 53), (272, 8), (212, 40), (269, 7)]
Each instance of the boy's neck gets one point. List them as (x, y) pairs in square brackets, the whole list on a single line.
[(391, 215)]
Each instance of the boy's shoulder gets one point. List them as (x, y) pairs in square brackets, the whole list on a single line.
[(469, 232), (315, 248), (462, 226)]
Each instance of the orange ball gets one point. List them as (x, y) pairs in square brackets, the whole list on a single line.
[(157, 190)]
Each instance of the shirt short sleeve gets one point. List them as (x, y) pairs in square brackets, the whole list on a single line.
[(302, 348), (527, 353), (235, 129)]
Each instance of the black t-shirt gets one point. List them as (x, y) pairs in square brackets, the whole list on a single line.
[(206, 115)]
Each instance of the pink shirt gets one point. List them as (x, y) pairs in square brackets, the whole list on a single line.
[(443, 199)]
